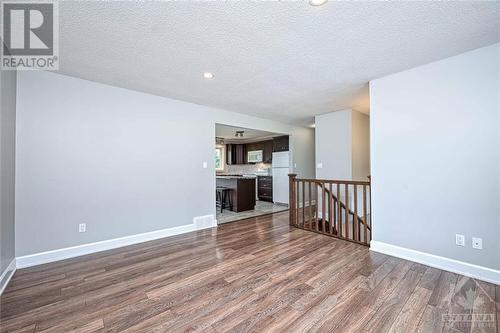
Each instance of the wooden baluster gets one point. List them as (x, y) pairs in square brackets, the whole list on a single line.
[(364, 215), (370, 210), (339, 212), (330, 210), (316, 220), (291, 200), (346, 210), (335, 213), (355, 222), (323, 208), (303, 204), (297, 204), (310, 219)]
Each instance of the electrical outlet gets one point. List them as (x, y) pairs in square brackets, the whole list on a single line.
[(460, 240), (477, 243), (82, 227)]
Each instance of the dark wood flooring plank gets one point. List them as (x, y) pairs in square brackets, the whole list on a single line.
[(389, 310), (410, 315), (497, 300), (430, 278), (367, 300), (439, 303)]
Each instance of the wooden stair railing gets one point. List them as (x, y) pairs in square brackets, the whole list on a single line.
[(361, 221), (338, 208)]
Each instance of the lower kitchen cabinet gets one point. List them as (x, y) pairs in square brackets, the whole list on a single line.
[(265, 188)]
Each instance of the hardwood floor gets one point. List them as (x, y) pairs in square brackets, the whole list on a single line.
[(256, 275)]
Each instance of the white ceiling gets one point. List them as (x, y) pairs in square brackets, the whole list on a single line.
[(280, 60), (228, 132)]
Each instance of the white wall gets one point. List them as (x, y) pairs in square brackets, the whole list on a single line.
[(360, 146), (7, 167), (435, 141), (343, 145), (334, 145), (124, 162)]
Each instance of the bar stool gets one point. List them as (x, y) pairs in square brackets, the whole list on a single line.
[(223, 198)]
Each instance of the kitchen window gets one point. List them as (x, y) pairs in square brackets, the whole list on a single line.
[(219, 158)]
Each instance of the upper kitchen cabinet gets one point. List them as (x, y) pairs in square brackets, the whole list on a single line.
[(241, 154), (255, 146), (236, 154), (268, 147), (281, 143)]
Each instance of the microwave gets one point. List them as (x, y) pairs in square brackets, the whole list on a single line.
[(254, 156)]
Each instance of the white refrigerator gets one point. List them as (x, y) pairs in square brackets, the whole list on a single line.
[(281, 169)]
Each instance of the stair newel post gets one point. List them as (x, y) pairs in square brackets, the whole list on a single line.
[(293, 195), (370, 209)]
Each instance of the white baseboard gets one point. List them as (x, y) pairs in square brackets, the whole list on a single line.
[(7, 274), (447, 264), (80, 250)]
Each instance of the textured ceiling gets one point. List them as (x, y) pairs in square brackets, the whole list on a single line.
[(285, 61)]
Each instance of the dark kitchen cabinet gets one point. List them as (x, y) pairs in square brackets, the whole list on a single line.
[(229, 154), (268, 151), (241, 154), (236, 154), (265, 188), (242, 192), (254, 146), (281, 143), (267, 148)]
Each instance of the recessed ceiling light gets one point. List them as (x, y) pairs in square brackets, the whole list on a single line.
[(317, 2), (208, 75)]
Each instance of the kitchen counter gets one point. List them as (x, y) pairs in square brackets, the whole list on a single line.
[(235, 177), (243, 191)]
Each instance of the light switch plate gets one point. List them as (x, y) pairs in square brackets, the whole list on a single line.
[(460, 240), (320, 166), (205, 165)]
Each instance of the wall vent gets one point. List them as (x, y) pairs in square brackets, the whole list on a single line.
[(202, 222)]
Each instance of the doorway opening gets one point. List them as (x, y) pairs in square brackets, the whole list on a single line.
[(251, 170)]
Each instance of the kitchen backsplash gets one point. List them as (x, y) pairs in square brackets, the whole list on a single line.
[(248, 168)]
